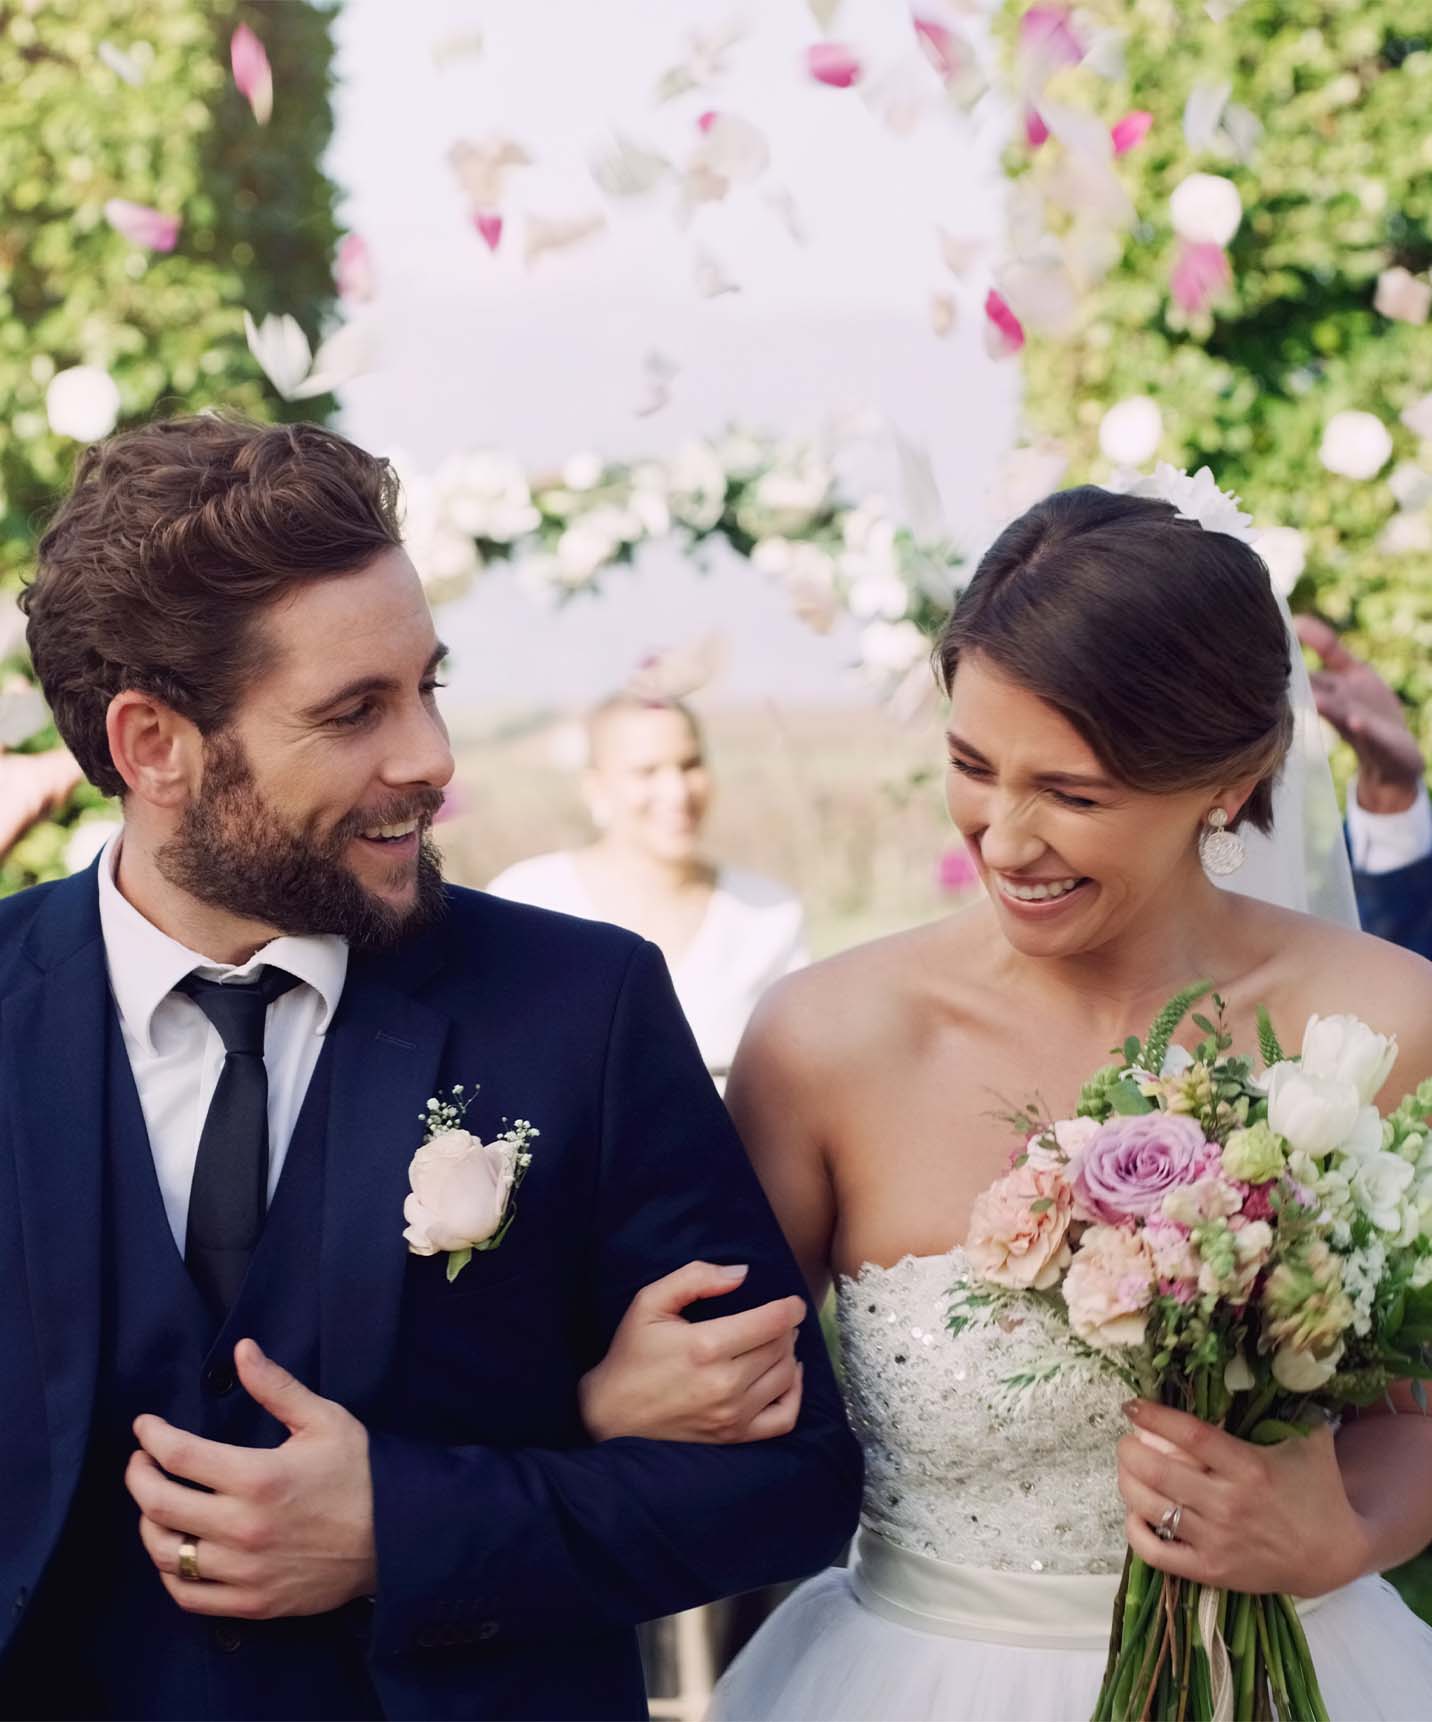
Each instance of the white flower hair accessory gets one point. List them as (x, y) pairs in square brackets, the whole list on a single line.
[(1194, 495)]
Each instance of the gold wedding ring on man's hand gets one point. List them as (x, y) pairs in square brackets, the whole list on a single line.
[(189, 1559)]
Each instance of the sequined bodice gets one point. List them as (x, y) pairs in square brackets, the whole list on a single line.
[(964, 1462)]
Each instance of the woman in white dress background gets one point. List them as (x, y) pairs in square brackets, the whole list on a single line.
[(727, 934)]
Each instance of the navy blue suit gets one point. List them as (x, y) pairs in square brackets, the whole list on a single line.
[(1397, 906), (514, 1556)]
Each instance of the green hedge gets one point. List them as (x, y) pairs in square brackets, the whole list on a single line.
[(1338, 189), (258, 233)]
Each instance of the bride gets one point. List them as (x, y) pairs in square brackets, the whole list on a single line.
[(1119, 679)]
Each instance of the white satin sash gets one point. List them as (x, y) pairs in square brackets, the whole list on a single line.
[(1039, 1610)]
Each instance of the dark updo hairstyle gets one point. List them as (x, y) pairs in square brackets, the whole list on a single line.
[(1161, 643)]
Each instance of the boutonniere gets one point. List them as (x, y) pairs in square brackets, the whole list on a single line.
[(463, 1190)]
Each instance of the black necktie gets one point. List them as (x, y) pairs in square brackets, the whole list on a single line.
[(229, 1195)]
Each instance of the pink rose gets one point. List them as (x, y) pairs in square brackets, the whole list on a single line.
[(1176, 1261), (460, 1191), (1109, 1287), (1019, 1229), (1130, 1165)]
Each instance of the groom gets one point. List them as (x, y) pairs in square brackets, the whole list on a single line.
[(257, 1456)]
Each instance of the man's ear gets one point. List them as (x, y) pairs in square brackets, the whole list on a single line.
[(158, 753)]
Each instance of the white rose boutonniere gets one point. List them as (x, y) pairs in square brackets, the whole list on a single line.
[(463, 1189)]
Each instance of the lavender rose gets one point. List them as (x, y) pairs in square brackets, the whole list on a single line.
[(1127, 1169)]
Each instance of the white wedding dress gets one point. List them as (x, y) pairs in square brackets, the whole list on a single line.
[(983, 1579)]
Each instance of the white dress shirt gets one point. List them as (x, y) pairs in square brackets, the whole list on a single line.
[(753, 933), (175, 1051), (1385, 842)]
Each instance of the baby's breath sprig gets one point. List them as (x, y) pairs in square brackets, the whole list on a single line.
[(442, 1115)]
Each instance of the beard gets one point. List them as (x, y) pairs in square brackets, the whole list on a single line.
[(235, 852)]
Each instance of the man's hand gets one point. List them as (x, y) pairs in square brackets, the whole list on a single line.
[(1368, 715), (281, 1531), (734, 1378)]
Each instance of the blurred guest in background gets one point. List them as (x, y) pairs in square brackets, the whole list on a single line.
[(1389, 818), (32, 785), (727, 934)]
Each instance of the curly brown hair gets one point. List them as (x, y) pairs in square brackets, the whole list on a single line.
[(176, 537)]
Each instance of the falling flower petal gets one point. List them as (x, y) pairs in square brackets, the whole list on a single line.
[(1130, 432), (461, 45), (489, 225), (824, 11), (1104, 56), (546, 233), (735, 149), (353, 273), (82, 403), (704, 122), (281, 349), (141, 225), (1004, 335), (127, 67), (711, 279), (1047, 42), (705, 62), (1036, 133), (787, 212), (955, 871), (1026, 476), (1206, 209), (1200, 274), (629, 169), (1039, 292), (959, 251), (1403, 296), (834, 64), (252, 74), (658, 372), (1130, 132), (945, 51), (920, 498), (482, 167), (678, 672), (943, 314), (347, 353), (1355, 445), (1202, 113)]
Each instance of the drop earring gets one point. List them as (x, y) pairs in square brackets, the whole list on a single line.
[(1220, 849)]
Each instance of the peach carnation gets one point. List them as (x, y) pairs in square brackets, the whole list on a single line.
[(1019, 1229)]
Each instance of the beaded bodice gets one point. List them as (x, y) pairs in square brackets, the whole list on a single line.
[(963, 1461)]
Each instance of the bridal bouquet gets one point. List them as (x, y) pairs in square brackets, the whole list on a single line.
[(1253, 1247)]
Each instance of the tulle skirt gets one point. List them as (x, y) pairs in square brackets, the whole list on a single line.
[(898, 1637)]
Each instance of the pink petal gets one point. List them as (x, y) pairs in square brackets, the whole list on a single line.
[(939, 46), (1131, 131), (1200, 273), (252, 73), (955, 870), (1036, 133), (834, 64), (489, 226), (1004, 334), (141, 225), (353, 273), (704, 122), (1046, 33)]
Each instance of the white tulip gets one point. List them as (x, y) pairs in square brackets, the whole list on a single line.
[(1285, 551), (1129, 433), (1313, 1113), (1206, 209), (1345, 1048), (1355, 445), (1378, 1186), (82, 403)]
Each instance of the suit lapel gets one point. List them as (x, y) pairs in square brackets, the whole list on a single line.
[(387, 1053), (52, 1061)]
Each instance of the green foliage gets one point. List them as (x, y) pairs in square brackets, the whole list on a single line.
[(1166, 1024), (1268, 1044), (1338, 188), (258, 233)]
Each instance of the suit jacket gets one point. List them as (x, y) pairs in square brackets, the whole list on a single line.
[(514, 1556), (1397, 906)]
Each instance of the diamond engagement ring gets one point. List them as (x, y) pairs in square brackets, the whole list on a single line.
[(1166, 1530)]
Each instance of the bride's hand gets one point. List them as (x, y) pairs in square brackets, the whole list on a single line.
[(1254, 1518), (733, 1378)]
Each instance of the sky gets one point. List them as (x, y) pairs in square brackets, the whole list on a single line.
[(481, 351)]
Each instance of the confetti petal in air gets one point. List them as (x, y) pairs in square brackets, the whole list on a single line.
[(560, 233), (834, 64), (920, 498), (1200, 274), (1036, 133), (735, 149), (127, 67), (824, 11), (482, 166), (460, 45), (705, 62), (347, 353), (353, 272), (1040, 293), (1129, 132), (944, 314), (252, 74), (1003, 332), (658, 374), (678, 672), (281, 349), (629, 169), (141, 225), (489, 226), (1201, 115), (712, 281), (959, 251), (780, 202), (1046, 44), (953, 60)]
